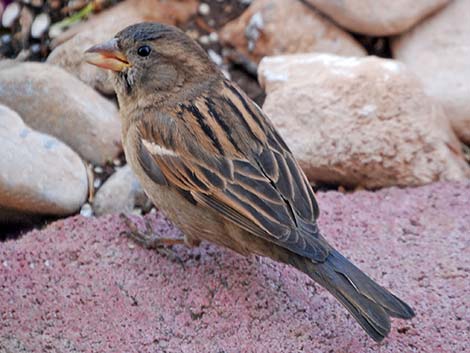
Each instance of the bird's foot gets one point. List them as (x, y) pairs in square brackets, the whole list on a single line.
[(149, 240)]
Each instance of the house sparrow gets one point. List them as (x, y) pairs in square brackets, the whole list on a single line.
[(209, 157)]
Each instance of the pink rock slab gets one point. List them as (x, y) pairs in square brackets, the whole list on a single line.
[(80, 286)]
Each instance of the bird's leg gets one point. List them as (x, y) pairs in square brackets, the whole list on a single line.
[(148, 239)]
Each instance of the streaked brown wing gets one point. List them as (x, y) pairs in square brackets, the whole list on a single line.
[(235, 163)]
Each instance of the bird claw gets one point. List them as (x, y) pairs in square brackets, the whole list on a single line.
[(149, 240)]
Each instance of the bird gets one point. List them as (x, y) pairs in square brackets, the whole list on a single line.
[(213, 162)]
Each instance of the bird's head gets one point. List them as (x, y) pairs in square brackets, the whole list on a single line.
[(152, 60)]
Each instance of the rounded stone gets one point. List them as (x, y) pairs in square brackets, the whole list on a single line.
[(122, 192), (378, 17), (52, 101), (271, 27), (360, 121), (39, 175)]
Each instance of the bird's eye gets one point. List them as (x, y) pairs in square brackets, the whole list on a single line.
[(144, 50)]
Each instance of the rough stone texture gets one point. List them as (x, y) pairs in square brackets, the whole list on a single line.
[(271, 27), (438, 51), (78, 286), (104, 26), (38, 173), (52, 101), (378, 17), (122, 192), (360, 121)]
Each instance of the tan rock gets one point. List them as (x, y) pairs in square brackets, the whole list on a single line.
[(438, 52), (104, 26), (272, 27), (52, 101), (39, 175), (360, 121), (122, 192), (378, 17)]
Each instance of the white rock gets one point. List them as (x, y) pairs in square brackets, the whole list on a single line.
[(204, 9), (378, 17), (204, 40), (438, 51), (216, 58), (40, 25), (53, 101), (360, 121), (86, 211), (214, 37), (10, 14), (39, 175)]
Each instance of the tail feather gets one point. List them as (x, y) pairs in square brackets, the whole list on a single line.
[(369, 303), (394, 306)]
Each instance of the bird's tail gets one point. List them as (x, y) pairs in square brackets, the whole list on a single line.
[(369, 303)]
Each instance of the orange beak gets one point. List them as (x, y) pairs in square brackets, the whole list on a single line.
[(107, 56)]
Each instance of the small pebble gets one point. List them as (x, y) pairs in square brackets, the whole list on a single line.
[(35, 48), (35, 51), (216, 58), (214, 37), (204, 40), (6, 39), (11, 14), (97, 183), (117, 162), (40, 25), (98, 169), (86, 210), (204, 9)]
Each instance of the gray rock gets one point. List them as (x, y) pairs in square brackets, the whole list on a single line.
[(53, 101), (122, 192), (39, 175)]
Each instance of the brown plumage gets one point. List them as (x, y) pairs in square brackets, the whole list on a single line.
[(213, 162)]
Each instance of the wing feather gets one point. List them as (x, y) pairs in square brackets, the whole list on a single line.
[(251, 180)]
